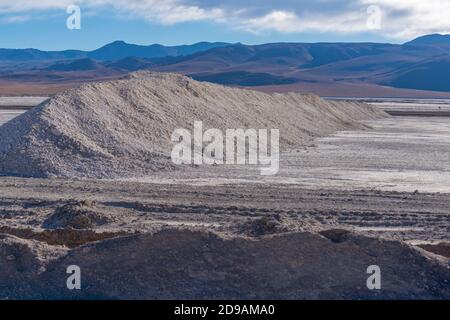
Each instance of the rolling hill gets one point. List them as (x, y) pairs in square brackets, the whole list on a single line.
[(112, 51), (416, 68), (432, 74)]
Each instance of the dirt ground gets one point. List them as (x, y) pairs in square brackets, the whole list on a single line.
[(391, 181), (141, 207), (379, 196), (250, 241), (117, 207)]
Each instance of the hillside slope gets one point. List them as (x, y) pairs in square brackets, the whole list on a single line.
[(427, 75)]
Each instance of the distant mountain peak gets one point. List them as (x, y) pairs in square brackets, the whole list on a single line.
[(117, 43), (431, 39)]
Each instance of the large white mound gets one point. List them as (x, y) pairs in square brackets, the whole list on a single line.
[(123, 128)]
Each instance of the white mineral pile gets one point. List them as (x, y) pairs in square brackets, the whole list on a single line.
[(123, 128)]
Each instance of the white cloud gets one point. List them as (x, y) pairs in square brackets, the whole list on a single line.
[(405, 19), (289, 22), (402, 19), (165, 12)]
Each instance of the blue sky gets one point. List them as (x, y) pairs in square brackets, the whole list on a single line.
[(42, 23)]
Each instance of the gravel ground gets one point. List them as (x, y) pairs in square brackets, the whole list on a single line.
[(344, 202), (130, 207), (153, 241), (389, 181)]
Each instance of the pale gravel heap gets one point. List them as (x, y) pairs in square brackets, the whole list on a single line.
[(122, 128)]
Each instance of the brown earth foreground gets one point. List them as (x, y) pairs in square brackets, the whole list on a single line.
[(156, 241)]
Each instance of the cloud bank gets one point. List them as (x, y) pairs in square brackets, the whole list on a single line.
[(399, 19)]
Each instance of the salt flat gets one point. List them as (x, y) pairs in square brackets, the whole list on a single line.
[(400, 153), (396, 154), (21, 101), (9, 114), (11, 107), (412, 104)]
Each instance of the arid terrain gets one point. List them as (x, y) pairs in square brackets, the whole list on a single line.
[(417, 68), (373, 193), (146, 230)]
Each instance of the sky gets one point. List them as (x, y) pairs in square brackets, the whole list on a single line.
[(89, 24)]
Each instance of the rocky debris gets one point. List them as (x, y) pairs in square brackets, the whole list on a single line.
[(76, 215), (263, 226)]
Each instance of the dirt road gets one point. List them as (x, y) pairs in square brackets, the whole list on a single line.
[(145, 207)]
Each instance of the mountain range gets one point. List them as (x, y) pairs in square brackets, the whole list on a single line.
[(113, 51), (420, 67)]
